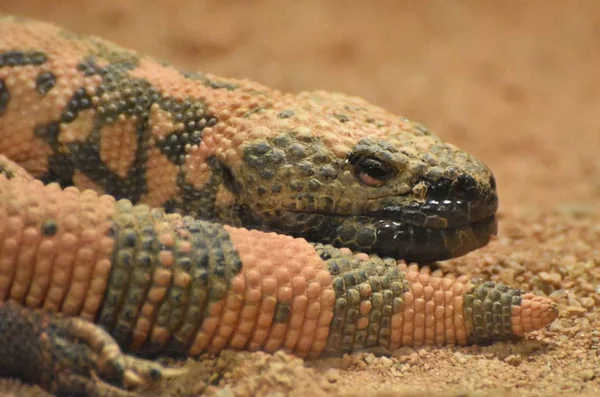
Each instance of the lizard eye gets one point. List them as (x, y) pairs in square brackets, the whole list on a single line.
[(372, 172)]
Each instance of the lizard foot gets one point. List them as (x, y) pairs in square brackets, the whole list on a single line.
[(69, 354)]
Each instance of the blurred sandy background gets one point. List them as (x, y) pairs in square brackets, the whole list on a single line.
[(516, 83)]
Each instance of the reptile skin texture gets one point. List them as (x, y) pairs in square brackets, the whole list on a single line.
[(147, 210)]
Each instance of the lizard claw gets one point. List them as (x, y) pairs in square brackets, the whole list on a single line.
[(140, 372)]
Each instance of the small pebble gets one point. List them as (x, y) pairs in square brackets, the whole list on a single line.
[(460, 358), (587, 375), (576, 311), (513, 360), (332, 375)]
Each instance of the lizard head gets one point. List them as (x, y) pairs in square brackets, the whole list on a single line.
[(335, 169)]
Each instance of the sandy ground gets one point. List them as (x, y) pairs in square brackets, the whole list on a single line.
[(515, 83)]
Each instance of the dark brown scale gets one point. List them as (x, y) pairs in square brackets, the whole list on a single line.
[(192, 114), (201, 203), (44, 82), (49, 227), (282, 313), (22, 58), (212, 83)]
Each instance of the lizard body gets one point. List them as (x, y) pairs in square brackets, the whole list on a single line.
[(116, 168)]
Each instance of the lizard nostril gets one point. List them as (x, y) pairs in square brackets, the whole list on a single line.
[(466, 182), (466, 185), (441, 189)]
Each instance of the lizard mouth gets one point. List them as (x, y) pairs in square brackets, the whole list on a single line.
[(418, 232), (413, 243)]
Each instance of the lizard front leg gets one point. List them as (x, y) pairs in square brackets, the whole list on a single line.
[(70, 354)]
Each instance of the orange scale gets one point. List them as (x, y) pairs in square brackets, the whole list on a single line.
[(324, 278), (161, 277), (313, 290), (53, 298), (15, 225), (458, 304), (106, 246), (238, 284), (253, 277), (313, 310), (299, 285), (419, 305), (424, 278), (294, 267), (285, 293), (282, 274), (258, 336), (365, 307), (303, 346), (316, 349), (253, 295), (448, 297), (266, 267), (362, 323), (417, 290), (428, 292), (244, 329)]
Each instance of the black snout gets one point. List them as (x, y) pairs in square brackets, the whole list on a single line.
[(464, 187)]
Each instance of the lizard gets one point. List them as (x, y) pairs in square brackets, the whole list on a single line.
[(156, 210)]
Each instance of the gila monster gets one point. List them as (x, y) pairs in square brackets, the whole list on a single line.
[(154, 210)]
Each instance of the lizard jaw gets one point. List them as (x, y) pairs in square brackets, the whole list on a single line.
[(388, 237)]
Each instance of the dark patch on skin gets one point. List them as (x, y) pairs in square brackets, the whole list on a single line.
[(218, 85), (4, 97), (282, 141), (136, 96), (327, 173), (255, 110), (193, 116), (286, 114), (49, 227), (44, 82), (86, 158), (60, 166), (265, 158), (422, 129), (342, 118), (79, 102), (89, 67), (211, 83), (22, 58), (282, 312), (202, 203)]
